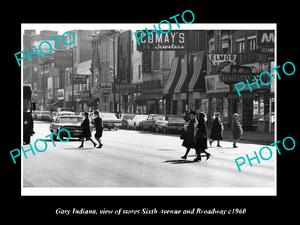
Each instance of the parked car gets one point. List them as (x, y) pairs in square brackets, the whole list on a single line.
[(61, 113), (170, 123), (125, 118), (65, 109), (43, 115), (110, 120), (135, 123), (71, 122), (149, 123)]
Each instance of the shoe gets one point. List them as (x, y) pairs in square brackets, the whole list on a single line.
[(183, 157), (234, 146), (210, 142), (197, 159), (81, 146), (95, 145), (100, 146), (207, 156), (219, 146)]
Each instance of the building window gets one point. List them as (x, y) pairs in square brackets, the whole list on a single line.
[(241, 51)]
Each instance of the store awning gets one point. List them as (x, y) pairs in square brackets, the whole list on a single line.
[(174, 76), (197, 82), (182, 79)]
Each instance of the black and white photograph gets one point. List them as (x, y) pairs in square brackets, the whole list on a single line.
[(109, 112)]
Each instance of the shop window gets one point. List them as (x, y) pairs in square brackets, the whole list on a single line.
[(255, 111), (225, 110), (263, 108)]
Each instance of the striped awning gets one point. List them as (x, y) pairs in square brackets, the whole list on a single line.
[(195, 82), (182, 77), (174, 76)]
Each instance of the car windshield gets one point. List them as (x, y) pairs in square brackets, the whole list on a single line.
[(71, 120), (175, 118), (108, 115), (26, 105), (127, 117), (158, 117)]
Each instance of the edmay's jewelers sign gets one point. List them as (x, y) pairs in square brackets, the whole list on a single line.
[(174, 40)]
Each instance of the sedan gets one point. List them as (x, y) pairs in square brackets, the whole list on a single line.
[(136, 122), (149, 123), (110, 120), (170, 123), (71, 123)]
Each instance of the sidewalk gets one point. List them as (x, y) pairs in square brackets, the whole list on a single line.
[(248, 136)]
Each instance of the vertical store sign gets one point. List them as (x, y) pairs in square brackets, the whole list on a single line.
[(146, 59)]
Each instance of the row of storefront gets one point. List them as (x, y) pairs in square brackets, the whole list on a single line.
[(216, 93)]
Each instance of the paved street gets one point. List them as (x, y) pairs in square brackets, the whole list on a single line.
[(132, 158)]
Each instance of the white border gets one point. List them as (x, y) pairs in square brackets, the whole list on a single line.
[(61, 28)]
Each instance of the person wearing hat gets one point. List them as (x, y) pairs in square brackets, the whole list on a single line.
[(99, 128)]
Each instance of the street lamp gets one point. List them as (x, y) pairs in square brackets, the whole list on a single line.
[(71, 54)]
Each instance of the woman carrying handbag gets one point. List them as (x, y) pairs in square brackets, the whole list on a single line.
[(201, 138)]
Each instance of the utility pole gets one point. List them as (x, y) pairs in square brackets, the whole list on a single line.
[(187, 71)]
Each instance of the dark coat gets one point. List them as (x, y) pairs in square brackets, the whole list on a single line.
[(236, 129), (86, 128), (202, 142), (189, 140), (216, 130), (98, 127)]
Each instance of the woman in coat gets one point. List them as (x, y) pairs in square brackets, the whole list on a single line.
[(86, 132), (191, 130), (237, 130), (201, 138), (216, 130)]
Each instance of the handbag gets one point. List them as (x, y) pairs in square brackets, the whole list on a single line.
[(200, 135)]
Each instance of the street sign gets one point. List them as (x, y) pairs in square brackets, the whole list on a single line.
[(79, 78), (62, 60)]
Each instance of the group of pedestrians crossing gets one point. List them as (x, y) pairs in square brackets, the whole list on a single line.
[(195, 135)]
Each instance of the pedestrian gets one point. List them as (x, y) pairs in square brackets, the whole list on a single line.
[(216, 130), (191, 130), (237, 130), (86, 132), (99, 128), (201, 138)]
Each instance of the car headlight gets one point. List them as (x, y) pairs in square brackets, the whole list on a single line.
[(25, 122)]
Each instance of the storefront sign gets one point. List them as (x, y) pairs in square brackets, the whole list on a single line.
[(174, 40), (240, 69), (146, 59), (60, 94), (217, 59), (79, 78), (104, 87), (62, 60), (235, 78), (215, 85)]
